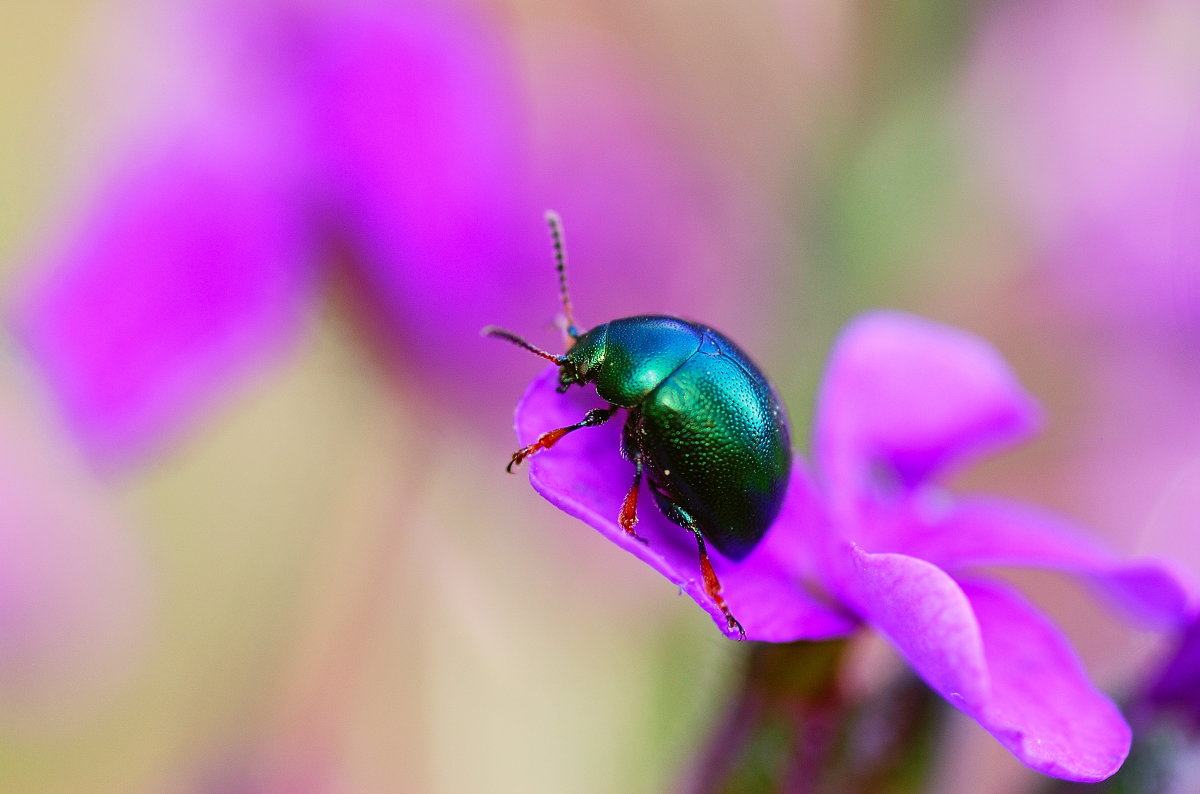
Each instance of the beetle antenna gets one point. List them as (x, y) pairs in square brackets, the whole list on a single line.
[(560, 262), (493, 330)]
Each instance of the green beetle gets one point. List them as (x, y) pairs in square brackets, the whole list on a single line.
[(704, 427)]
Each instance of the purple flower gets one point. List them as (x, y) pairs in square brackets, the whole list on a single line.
[(870, 538)]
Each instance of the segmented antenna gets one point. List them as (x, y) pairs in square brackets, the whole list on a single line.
[(493, 330), (560, 261)]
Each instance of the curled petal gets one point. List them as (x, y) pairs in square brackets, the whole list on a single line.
[(585, 476), (1042, 706), (905, 398), (925, 614), (994, 657), (184, 274), (991, 532)]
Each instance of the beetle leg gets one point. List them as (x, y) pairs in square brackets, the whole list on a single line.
[(548, 439), (711, 585), (627, 517)]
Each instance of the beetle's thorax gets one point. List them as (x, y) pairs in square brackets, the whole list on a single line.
[(628, 358)]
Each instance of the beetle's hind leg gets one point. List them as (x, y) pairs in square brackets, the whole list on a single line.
[(711, 585), (597, 416)]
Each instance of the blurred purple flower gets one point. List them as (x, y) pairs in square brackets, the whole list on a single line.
[(1091, 113), (383, 132), (874, 540), (391, 139)]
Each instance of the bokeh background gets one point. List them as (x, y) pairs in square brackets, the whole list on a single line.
[(289, 560)]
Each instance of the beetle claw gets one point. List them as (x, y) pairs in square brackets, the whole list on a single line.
[(733, 624)]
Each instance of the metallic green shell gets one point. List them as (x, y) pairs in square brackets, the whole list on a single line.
[(711, 430)]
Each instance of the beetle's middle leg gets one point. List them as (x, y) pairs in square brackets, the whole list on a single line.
[(631, 450), (597, 416), (627, 517), (711, 585)]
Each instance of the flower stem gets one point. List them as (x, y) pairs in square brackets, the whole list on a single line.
[(781, 723), (792, 727)]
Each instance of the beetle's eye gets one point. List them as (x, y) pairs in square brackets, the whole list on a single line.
[(568, 374)]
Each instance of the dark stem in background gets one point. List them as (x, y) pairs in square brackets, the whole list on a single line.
[(780, 722), (792, 728)]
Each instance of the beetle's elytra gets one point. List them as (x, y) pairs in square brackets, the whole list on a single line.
[(703, 425)]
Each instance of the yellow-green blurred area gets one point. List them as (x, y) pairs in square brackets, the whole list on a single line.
[(337, 588)]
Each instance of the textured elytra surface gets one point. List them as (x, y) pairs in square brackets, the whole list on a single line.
[(716, 443), (703, 419)]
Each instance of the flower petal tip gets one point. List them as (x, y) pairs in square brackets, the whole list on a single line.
[(916, 397)]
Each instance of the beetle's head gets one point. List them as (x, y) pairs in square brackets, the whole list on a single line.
[(568, 376), (579, 364)]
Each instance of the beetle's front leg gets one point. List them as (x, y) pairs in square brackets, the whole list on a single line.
[(597, 416)]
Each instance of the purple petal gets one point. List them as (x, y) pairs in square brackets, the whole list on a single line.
[(991, 532), (185, 273), (1043, 707), (905, 398), (925, 614), (993, 657), (585, 476)]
